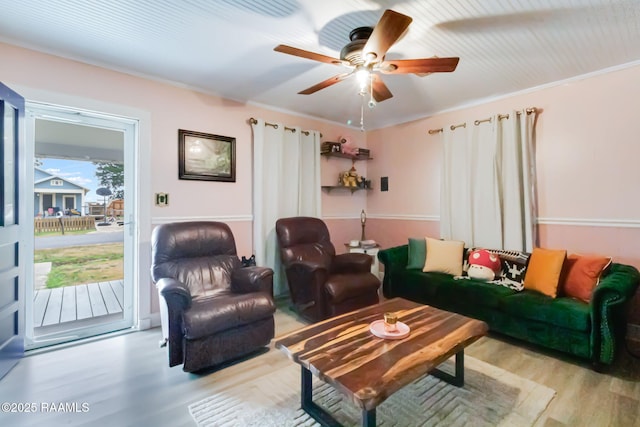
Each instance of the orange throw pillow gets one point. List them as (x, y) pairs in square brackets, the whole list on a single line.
[(544, 270), (582, 275)]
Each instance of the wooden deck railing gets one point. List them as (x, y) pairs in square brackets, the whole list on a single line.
[(65, 223)]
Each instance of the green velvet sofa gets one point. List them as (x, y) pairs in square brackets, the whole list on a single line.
[(591, 331)]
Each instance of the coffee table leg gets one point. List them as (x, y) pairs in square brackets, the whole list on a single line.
[(457, 379), (320, 415), (369, 417)]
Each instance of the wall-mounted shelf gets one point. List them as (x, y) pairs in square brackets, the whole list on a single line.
[(341, 155), (347, 156), (328, 188)]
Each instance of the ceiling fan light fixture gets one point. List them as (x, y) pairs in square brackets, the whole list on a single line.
[(364, 76)]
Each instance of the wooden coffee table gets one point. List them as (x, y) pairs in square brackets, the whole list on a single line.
[(341, 351)]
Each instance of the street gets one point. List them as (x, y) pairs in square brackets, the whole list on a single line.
[(51, 242)]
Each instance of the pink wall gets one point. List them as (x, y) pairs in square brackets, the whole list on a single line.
[(621, 243), (410, 159), (587, 165), (390, 233), (342, 231)]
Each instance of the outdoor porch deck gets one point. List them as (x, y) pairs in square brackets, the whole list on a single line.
[(78, 303)]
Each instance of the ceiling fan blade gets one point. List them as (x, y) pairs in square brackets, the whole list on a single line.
[(330, 81), (386, 32), (419, 66), (307, 54), (380, 90)]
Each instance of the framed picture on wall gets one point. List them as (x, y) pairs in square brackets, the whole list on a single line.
[(206, 157)]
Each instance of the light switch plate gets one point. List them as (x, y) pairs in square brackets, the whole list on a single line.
[(162, 199), (384, 183)]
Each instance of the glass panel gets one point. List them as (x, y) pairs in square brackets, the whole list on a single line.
[(10, 133), (9, 143)]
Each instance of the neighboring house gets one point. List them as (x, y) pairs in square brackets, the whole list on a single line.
[(95, 209), (54, 194), (116, 208)]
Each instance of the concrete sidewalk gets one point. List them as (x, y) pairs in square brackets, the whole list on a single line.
[(111, 228), (40, 272)]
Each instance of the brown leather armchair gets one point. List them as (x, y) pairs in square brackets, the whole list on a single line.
[(213, 310), (321, 283)]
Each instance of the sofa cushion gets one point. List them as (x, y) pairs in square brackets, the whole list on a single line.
[(582, 274), (423, 286), (444, 256), (417, 253), (478, 292), (565, 313), (544, 270), (214, 313)]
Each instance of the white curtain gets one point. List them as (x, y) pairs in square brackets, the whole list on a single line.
[(286, 182), (455, 191), (484, 186), (487, 187), (518, 188)]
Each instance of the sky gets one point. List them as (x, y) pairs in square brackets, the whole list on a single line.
[(80, 173)]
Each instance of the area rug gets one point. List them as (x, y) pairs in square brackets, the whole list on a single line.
[(490, 397)]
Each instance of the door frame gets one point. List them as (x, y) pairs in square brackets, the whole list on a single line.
[(12, 223), (90, 101), (130, 127)]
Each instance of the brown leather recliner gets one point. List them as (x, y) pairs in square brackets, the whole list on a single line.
[(321, 283), (216, 310)]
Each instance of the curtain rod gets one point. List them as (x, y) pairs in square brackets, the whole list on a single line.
[(477, 122), (275, 126)]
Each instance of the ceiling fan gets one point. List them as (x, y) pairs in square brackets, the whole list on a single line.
[(365, 54)]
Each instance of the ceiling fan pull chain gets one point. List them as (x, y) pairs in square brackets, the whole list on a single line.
[(372, 103), (362, 115)]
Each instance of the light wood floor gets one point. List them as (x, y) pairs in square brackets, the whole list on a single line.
[(125, 381)]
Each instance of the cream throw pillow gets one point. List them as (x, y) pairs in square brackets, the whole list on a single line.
[(444, 256)]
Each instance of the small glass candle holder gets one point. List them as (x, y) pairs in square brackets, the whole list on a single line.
[(390, 320)]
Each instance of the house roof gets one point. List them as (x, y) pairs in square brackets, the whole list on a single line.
[(49, 176), (225, 47)]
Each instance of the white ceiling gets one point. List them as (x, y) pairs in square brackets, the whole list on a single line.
[(59, 140), (225, 47)]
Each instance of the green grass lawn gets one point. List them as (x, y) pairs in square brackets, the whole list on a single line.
[(76, 265), (66, 233)]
